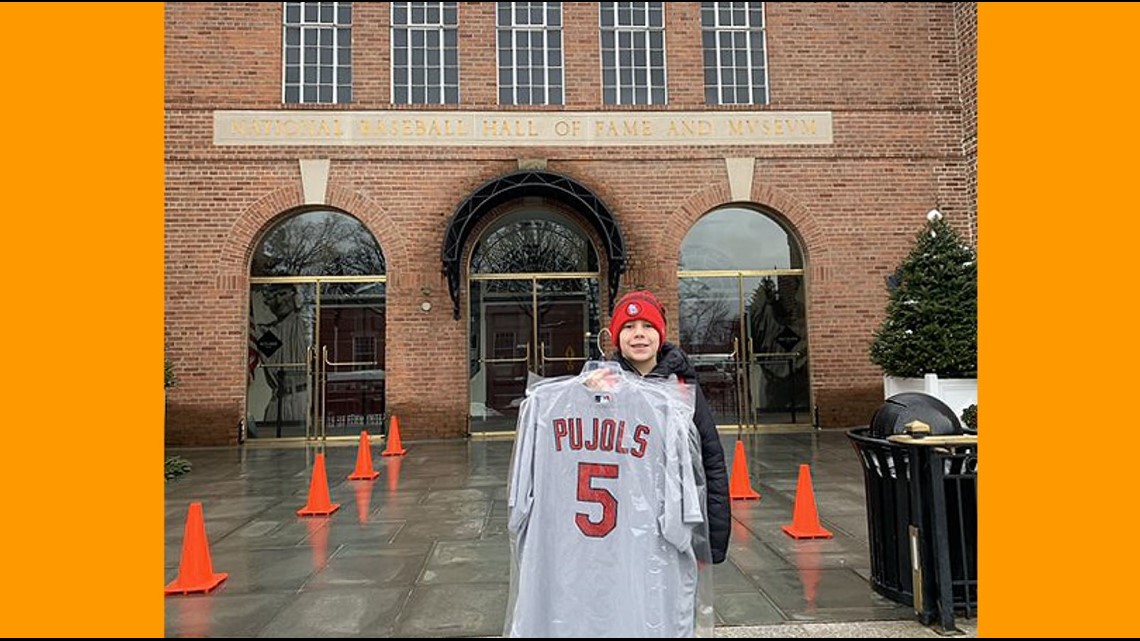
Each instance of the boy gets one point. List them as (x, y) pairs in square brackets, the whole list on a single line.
[(638, 332)]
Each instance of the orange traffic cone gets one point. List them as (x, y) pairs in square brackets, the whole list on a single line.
[(364, 471), (805, 518), (394, 448), (319, 504), (195, 571), (739, 486)]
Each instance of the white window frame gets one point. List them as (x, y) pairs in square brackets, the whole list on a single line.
[(519, 39), (633, 30), (321, 54), (424, 22), (740, 28)]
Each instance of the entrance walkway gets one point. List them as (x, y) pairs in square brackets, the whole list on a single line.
[(423, 551)]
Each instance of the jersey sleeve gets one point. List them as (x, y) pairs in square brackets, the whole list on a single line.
[(682, 502), (691, 501), (520, 497)]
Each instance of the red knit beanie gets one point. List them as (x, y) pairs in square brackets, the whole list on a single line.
[(639, 305)]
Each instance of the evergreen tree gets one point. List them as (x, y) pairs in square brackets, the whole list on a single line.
[(932, 316)]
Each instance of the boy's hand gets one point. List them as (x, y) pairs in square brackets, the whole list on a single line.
[(601, 380)]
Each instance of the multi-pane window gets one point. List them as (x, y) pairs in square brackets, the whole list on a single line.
[(318, 52), (633, 53), (425, 53), (364, 349), (736, 65), (530, 53)]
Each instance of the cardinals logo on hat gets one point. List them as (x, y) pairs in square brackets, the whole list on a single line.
[(633, 309)]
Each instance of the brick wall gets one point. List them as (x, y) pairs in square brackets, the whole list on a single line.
[(898, 79), (966, 24)]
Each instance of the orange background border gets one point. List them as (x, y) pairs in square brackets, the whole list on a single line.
[(83, 534), (83, 254), (1057, 233)]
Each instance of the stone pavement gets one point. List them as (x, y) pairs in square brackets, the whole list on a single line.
[(423, 551)]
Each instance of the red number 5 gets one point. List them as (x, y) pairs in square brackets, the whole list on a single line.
[(590, 494)]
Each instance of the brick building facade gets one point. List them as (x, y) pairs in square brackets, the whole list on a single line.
[(885, 95)]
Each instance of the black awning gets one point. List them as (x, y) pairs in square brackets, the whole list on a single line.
[(531, 183)]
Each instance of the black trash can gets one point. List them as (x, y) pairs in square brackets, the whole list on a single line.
[(921, 495), (886, 482), (899, 410)]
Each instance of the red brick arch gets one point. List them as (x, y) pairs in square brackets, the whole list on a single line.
[(233, 264), (803, 223)]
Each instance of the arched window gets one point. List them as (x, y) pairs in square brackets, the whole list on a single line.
[(318, 243), (739, 239), (742, 316), (533, 243), (317, 321)]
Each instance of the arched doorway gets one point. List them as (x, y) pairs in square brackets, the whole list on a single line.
[(535, 302), (316, 328), (536, 283), (743, 317)]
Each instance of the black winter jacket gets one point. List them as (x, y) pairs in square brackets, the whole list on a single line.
[(671, 360)]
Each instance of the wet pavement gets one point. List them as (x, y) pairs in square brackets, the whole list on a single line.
[(423, 551)]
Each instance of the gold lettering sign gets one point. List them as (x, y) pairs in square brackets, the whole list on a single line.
[(515, 129)]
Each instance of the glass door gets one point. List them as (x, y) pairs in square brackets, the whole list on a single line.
[(524, 327), (567, 312), (777, 349), (351, 359), (282, 318), (502, 351), (746, 334), (710, 335), (743, 309), (316, 357)]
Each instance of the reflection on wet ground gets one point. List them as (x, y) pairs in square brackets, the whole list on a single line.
[(422, 550)]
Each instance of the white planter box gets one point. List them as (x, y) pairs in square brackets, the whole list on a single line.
[(957, 393)]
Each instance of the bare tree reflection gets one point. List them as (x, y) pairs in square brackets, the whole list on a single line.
[(533, 246), (696, 255), (707, 320), (322, 243)]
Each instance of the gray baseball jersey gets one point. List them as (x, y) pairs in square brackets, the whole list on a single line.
[(603, 503)]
